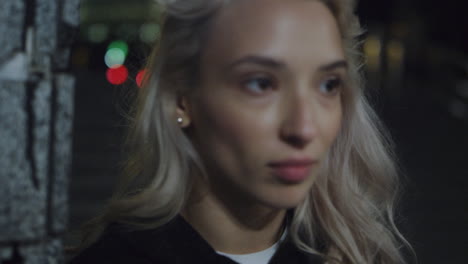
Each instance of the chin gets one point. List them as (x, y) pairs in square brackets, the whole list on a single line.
[(285, 199)]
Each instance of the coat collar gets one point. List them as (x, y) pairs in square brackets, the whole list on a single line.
[(177, 242)]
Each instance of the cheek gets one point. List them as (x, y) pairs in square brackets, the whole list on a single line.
[(226, 132), (335, 124), (331, 124)]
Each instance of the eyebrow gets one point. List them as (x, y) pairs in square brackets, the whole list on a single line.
[(333, 66), (260, 60), (278, 64)]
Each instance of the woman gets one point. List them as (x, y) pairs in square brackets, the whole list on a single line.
[(253, 143)]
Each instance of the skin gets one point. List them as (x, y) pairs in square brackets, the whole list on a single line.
[(272, 75)]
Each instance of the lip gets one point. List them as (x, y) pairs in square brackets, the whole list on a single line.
[(293, 170)]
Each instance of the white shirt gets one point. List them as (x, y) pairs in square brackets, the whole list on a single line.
[(260, 257)]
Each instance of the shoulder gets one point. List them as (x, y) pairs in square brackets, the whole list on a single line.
[(113, 247), (175, 242)]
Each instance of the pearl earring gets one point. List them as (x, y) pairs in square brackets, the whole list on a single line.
[(180, 120)]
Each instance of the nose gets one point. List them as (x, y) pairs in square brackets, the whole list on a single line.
[(299, 127)]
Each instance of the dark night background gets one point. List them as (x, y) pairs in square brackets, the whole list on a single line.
[(417, 52)]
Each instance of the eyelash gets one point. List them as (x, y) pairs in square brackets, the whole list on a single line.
[(336, 85), (260, 81)]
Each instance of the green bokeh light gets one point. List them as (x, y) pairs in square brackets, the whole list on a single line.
[(119, 44), (114, 57)]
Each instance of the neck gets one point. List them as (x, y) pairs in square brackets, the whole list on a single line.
[(236, 227)]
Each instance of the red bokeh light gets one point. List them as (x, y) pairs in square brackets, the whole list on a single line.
[(117, 75), (140, 76)]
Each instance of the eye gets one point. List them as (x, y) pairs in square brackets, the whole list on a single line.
[(331, 85), (258, 85)]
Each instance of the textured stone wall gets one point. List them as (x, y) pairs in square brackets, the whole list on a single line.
[(36, 112)]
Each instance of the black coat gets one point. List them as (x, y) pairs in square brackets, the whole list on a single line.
[(174, 243)]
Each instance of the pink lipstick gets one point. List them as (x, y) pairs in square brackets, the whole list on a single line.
[(292, 170)]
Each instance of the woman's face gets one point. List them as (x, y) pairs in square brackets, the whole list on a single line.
[(268, 106)]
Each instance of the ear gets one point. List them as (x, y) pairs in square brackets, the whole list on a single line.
[(183, 116)]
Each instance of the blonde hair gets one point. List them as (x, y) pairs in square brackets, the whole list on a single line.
[(350, 209)]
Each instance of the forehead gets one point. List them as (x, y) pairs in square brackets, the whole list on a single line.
[(287, 29)]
